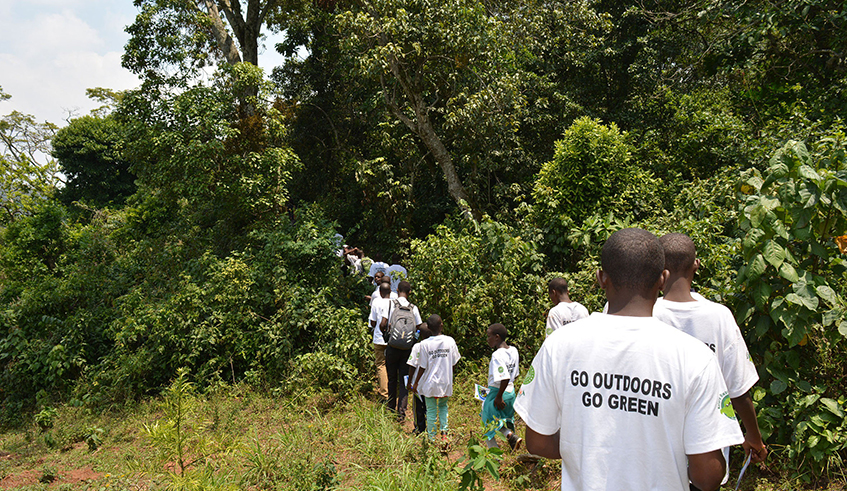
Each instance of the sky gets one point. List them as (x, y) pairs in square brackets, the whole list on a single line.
[(52, 50)]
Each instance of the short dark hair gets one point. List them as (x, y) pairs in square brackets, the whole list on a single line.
[(404, 287), (680, 252), (434, 323), (385, 279), (633, 258), (499, 330), (425, 332), (559, 284), (384, 289)]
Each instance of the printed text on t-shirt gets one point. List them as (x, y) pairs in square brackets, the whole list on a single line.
[(622, 383)]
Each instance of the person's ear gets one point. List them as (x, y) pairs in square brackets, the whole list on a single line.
[(696, 264), (663, 278), (602, 279)]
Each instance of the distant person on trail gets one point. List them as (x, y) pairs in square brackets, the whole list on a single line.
[(381, 279), (414, 358), (378, 309), (626, 401), (376, 266), (396, 272), (714, 325), (564, 309), (399, 324), (434, 377), (498, 409)]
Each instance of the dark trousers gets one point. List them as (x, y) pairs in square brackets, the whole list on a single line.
[(420, 413), (398, 395)]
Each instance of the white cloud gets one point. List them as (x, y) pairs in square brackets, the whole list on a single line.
[(48, 58)]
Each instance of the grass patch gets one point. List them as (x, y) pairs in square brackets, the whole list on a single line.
[(235, 438)]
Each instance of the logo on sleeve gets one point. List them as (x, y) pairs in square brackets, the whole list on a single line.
[(500, 369), (726, 407), (530, 376)]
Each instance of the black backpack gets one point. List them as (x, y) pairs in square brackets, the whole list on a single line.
[(401, 326)]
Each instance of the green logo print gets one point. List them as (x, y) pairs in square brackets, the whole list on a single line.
[(530, 376), (726, 407), (500, 369)]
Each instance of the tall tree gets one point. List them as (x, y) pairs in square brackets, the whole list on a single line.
[(172, 40), (27, 173)]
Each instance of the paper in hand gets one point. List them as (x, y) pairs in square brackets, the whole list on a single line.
[(743, 470)]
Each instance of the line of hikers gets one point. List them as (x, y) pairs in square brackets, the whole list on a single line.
[(641, 396)]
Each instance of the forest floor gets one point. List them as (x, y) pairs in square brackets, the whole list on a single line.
[(237, 438)]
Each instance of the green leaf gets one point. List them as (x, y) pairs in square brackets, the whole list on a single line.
[(828, 294), (807, 172), (763, 293), (842, 329), (788, 272), (757, 215), (774, 253), (778, 386), (751, 240), (756, 267), (830, 317), (833, 407)]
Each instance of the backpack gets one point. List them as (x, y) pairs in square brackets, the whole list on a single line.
[(401, 326)]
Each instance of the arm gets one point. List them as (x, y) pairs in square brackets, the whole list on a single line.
[(409, 386), (706, 470), (546, 446), (383, 324), (498, 400), (417, 379), (743, 406)]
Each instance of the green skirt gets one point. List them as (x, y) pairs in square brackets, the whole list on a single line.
[(500, 417)]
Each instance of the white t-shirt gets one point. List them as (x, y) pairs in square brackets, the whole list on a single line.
[(631, 397), (415, 355), (375, 295), (378, 309), (564, 313), (377, 266), (438, 354), (504, 365), (404, 302), (397, 273), (715, 325)]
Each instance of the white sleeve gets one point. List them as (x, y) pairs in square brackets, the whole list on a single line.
[(710, 422), (581, 312), (414, 355), (538, 399), (417, 314), (455, 353), (552, 322), (499, 365), (737, 367), (423, 356)]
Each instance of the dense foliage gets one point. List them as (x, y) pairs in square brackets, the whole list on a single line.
[(491, 145)]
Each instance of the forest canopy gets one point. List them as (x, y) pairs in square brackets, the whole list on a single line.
[(489, 145)]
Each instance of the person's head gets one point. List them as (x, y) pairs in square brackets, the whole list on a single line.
[(385, 279), (496, 335), (434, 324), (378, 277), (558, 289), (633, 263), (404, 288), (680, 255), (385, 289), (424, 333)]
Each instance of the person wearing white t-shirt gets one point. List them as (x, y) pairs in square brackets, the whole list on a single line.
[(378, 309), (564, 309), (498, 410), (714, 325), (626, 401), (397, 274), (396, 358), (413, 362), (434, 377), (380, 278)]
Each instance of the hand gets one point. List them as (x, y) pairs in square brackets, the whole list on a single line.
[(757, 448), (499, 403)]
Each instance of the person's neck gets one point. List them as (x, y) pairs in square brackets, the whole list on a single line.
[(503, 345), (678, 289), (565, 299), (631, 304), (402, 295)]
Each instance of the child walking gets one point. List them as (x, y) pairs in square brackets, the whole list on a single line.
[(434, 377), (414, 358), (498, 410)]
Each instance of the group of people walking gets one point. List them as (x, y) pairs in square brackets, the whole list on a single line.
[(645, 395)]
